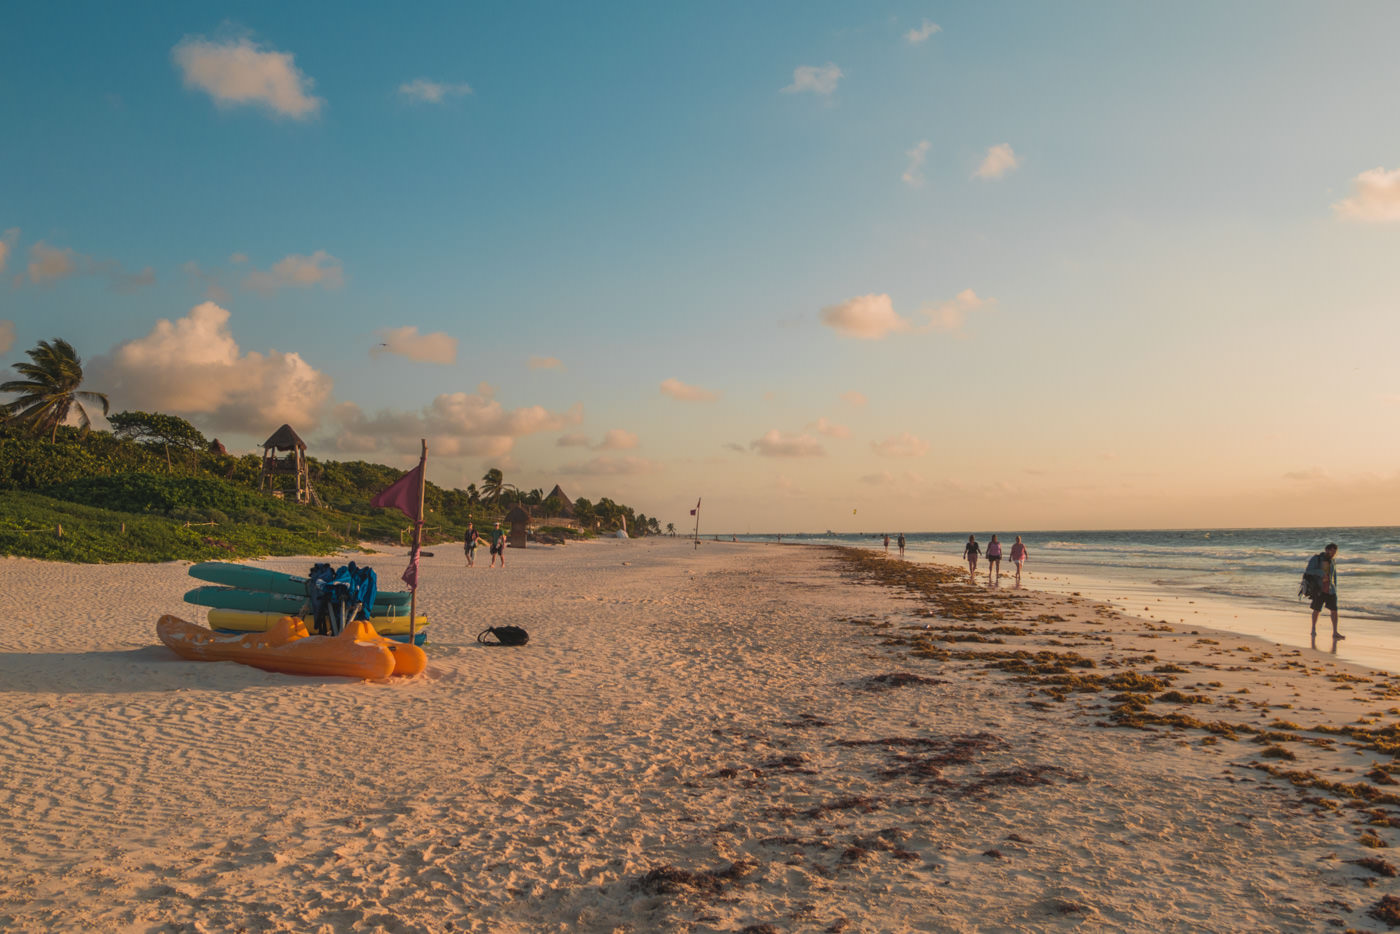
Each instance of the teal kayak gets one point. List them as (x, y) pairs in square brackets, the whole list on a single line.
[(274, 582), (229, 598)]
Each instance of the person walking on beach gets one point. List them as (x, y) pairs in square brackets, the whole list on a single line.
[(1019, 556), (498, 545), (972, 551), (887, 544), (473, 539), (1322, 574), (993, 561), (901, 544)]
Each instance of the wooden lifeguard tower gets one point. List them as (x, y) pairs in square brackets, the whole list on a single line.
[(283, 475)]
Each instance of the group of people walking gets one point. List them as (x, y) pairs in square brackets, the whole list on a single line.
[(498, 544), (972, 551)]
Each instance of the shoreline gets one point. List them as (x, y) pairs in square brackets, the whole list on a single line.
[(693, 740)]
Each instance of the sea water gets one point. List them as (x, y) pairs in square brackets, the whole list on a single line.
[(1262, 567)]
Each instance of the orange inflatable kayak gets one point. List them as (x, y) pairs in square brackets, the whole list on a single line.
[(358, 652)]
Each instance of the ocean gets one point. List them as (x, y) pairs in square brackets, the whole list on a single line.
[(1259, 566)]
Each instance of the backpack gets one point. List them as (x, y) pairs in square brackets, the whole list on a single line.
[(1311, 585), (504, 635)]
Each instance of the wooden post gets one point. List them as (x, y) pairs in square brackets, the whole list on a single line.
[(417, 542)]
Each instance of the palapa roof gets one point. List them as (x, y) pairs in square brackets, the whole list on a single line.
[(566, 505), (518, 515), (284, 439)]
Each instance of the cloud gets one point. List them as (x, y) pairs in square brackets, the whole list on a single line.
[(421, 90), (777, 444), (455, 424), (545, 363), (868, 317), (617, 439), (830, 429), (951, 315), (818, 80), (7, 336), (901, 445), (999, 160), (436, 347), (193, 367), (914, 172), (854, 398), (302, 272), (678, 390), (735, 446), (1375, 198), (1311, 475), (7, 243), (240, 72), (612, 467), (213, 288), (573, 440), (49, 264), (921, 34)]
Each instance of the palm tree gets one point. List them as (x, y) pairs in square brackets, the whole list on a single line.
[(50, 390), (671, 529), (492, 485)]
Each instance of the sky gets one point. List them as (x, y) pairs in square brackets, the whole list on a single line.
[(862, 267)]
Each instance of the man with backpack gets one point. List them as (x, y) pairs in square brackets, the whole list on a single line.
[(1320, 579)]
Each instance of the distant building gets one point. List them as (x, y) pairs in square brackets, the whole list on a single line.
[(519, 520), (283, 475)]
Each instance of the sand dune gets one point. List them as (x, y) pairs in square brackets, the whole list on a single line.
[(743, 737)]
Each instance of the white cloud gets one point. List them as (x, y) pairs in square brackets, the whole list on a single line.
[(854, 398), (617, 439), (951, 315), (193, 367), (612, 467), (901, 445), (926, 29), (575, 439), (777, 444), (678, 390), (240, 72), (320, 268), (830, 429), (545, 363), (432, 92), (7, 243), (7, 336), (436, 347), (49, 264), (869, 317), (817, 79), (1375, 198), (999, 160), (914, 172), (455, 424)]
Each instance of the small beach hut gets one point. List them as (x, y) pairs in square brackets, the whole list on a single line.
[(283, 475), (519, 520)]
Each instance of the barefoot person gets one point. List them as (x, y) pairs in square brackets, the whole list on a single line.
[(1019, 556), (993, 561), (473, 539), (901, 544), (498, 545), (1322, 574), (971, 551)]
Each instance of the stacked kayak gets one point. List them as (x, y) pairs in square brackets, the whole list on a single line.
[(254, 599), (357, 652)]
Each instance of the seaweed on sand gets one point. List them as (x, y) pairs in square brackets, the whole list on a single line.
[(668, 880)]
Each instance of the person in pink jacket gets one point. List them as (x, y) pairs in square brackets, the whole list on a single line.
[(1018, 557)]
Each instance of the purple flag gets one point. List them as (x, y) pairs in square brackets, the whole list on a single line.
[(403, 494), (410, 574)]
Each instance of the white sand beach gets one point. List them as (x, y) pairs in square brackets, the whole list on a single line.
[(735, 738)]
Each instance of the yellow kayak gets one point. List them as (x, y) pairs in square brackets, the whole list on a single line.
[(253, 621), (358, 652)]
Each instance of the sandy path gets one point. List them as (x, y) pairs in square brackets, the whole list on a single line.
[(688, 743)]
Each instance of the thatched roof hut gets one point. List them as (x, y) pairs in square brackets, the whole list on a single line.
[(284, 439), (289, 474), (519, 520)]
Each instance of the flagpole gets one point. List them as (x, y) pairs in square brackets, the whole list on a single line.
[(417, 543), (697, 523)]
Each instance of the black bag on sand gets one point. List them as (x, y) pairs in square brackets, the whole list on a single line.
[(504, 635)]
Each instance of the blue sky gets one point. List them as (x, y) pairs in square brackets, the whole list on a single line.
[(949, 265)]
